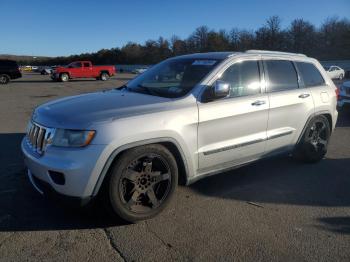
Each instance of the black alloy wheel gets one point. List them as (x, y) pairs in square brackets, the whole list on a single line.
[(142, 182)]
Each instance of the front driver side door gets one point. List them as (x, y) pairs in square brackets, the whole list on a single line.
[(75, 70), (233, 130)]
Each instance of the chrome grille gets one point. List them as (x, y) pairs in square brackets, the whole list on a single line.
[(38, 136)]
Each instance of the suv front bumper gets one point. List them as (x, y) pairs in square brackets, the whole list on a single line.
[(46, 189), (76, 164)]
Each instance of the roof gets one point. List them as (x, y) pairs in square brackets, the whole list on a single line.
[(210, 55), (267, 52), (224, 55)]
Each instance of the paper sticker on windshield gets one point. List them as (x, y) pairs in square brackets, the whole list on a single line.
[(204, 62)]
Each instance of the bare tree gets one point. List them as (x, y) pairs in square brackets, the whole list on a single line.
[(302, 37)]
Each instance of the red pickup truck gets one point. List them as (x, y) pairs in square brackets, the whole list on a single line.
[(82, 69)]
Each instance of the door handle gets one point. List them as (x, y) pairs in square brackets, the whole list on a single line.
[(258, 103), (304, 95)]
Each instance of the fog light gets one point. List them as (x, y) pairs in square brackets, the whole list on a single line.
[(57, 177)]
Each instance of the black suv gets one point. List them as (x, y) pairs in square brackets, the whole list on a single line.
[(8, 70)]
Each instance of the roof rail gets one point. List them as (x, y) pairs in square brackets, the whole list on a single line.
[(272, 52)]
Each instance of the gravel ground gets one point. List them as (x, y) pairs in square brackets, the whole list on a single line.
[(273, 210)]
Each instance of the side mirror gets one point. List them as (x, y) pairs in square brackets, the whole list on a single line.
[(221, 89)]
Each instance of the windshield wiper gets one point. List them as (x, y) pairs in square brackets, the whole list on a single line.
[(145, 89), (121, 87)]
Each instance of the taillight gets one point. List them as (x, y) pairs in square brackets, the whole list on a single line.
[(337, 92)]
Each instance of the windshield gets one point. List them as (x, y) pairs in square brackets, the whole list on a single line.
[(172, 78), (326, 68)]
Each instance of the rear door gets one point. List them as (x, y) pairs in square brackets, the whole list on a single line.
[(233, 130), (322, 94), (290, 105)]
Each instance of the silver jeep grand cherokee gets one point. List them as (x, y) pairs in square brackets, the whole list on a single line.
[(183, 119)]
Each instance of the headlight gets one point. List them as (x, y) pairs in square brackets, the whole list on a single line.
[(72, 138)]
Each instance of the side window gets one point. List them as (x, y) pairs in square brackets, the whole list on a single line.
[(86, 65), (281, 74), (244, 78), (310, 74), (76, 65)]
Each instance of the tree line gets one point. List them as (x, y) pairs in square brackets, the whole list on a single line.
[(329, 41)]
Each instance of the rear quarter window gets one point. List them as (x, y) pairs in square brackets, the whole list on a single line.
[(310, 74)]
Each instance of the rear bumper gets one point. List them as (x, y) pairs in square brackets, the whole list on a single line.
[(16, 75), (343, 100)]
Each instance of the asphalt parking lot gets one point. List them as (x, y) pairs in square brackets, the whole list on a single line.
[(273, 210)]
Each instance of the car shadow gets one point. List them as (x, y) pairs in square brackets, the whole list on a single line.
[(24, 209), (278, 180), (282, 180), (339, 225)]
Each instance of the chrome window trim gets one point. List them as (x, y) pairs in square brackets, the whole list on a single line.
[(226, 148)]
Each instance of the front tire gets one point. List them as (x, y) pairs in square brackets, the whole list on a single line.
[(4, 79), (64, 77), (314, 142), (142, 182)]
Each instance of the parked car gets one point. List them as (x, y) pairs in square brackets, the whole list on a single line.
[(335, 72), (139, 70), (210, 113), (344, 94), (82, 69), (8, 70), (45, 70), (26, 68)]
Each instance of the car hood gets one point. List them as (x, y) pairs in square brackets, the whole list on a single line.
[(84, 111)]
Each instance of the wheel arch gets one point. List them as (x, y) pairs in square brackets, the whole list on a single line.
[(325, 113), (171, 144), (7, 76), (61, 73), (104, 71)]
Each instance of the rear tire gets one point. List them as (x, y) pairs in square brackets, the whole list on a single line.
[(314, 142), (4, 79), (64, 77), (142, 182), (104, 76)]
